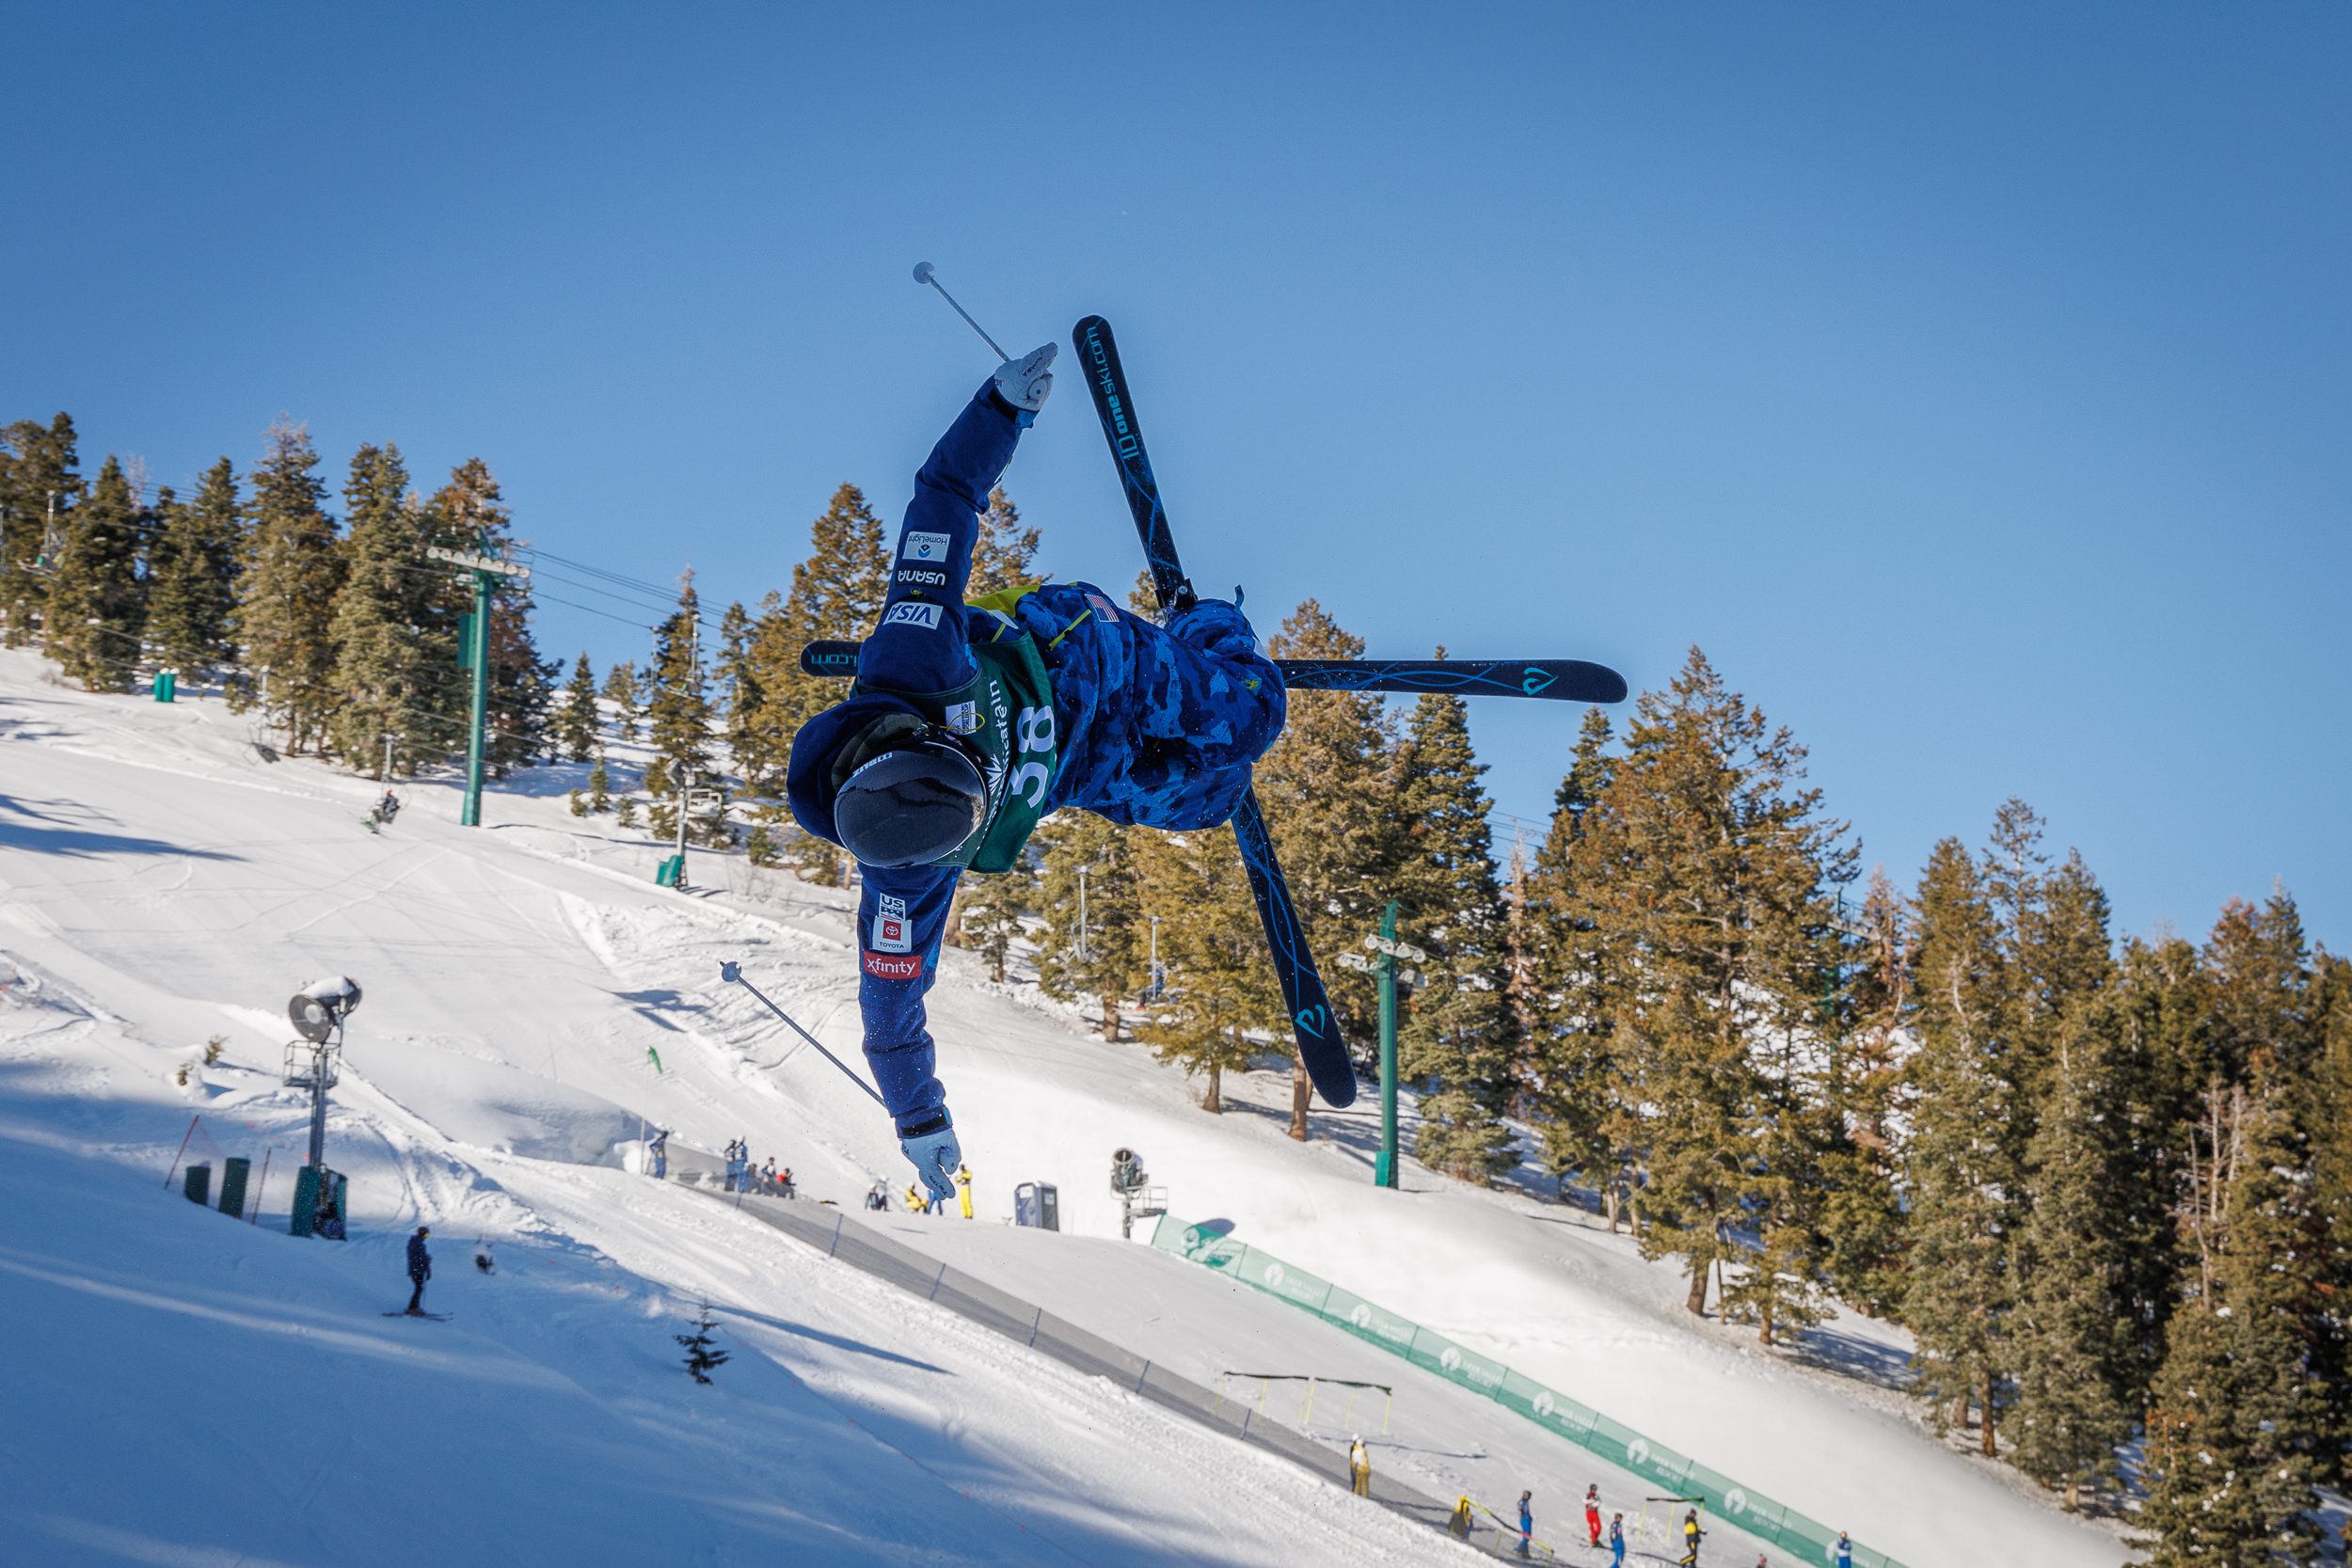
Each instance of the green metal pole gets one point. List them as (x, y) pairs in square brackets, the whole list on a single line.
[(472, 817), (1387, 1169)]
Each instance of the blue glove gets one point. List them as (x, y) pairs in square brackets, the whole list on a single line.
[(935, 1156), (1215, 627)]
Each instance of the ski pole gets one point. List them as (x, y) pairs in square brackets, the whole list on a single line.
[(734, 972), (923, 274)]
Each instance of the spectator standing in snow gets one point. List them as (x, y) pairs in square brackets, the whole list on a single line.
[(1359, 1467), (1691, 1533), (878, 1199), (784, 1184), (1592, 1511), (660, 1151), (963, 1189), (768, 1175), (1527, 1520), (419, 1269), (1845, 1550), (1616, 1540)]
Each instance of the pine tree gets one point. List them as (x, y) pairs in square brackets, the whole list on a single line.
[(756, 733), (286, 593), (680, 713), (192, 575), (576, 721), (96, 602), (1589, 1122), (38, 486), (620, 689), (1104, 956), (2075, 1340), (1717, 913), (1321, 786), (1004, 555), (738, 694), (1220, 985), (703, 1356), (1961, 1173), (1863, 1213), (394, 658), (2329, 1129), (836, 592), (989, 908), (1457, 1037), (599, 783)]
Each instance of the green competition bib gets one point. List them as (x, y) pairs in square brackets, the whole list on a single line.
[(1006, 714)]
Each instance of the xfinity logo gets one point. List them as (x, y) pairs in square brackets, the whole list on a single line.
[(884, 966)]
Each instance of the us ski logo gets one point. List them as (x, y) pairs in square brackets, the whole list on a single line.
[(1537, 679)]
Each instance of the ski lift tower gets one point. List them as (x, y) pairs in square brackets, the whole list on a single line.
[(1137, 1199), (474, 653), (318, 1011), (1390, 952)]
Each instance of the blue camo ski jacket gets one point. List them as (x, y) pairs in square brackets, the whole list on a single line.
[(1149, 725)]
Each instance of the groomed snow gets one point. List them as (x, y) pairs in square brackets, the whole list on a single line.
[(199, 1391)]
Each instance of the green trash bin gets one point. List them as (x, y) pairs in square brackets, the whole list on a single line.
[(233, 1172), (198, 1184)]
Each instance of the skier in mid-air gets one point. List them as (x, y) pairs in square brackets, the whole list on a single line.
[(970, 722)]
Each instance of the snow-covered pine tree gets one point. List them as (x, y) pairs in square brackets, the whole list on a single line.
[(703, 1354), (576, 716), (1456, 1036), (1109, 965), (96, 601), (394, 653), (1959, 1172), (1005, 554), (286, 593), (38, 468), (192, 575), (1323, 789)]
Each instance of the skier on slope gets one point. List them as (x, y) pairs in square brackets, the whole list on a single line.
[(1592, 1511), (419, 1269), (1690, 1534), (969, 723)]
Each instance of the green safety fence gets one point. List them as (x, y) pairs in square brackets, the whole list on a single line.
[(1772, 1522)]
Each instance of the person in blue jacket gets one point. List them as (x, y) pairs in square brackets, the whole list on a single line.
[(419, 1269), (1616, 1540), (1527, 1521), (969, 722), (1845, 1550)]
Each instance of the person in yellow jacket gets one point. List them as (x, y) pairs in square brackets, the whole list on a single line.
[(963, 1189), (1691, 1533), (914, 1200), (1359, 1467)]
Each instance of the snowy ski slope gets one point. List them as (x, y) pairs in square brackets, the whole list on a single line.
[(203, 1390)]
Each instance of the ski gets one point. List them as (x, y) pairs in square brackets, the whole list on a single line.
[(1319, 1044), (1559, 680)]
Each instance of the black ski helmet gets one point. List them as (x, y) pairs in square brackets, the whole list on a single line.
[(911, 805)]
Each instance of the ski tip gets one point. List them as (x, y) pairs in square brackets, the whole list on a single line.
[(1340, 1093), (1607, 685)]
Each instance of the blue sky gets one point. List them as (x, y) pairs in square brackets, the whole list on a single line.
[(1969, 384)]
